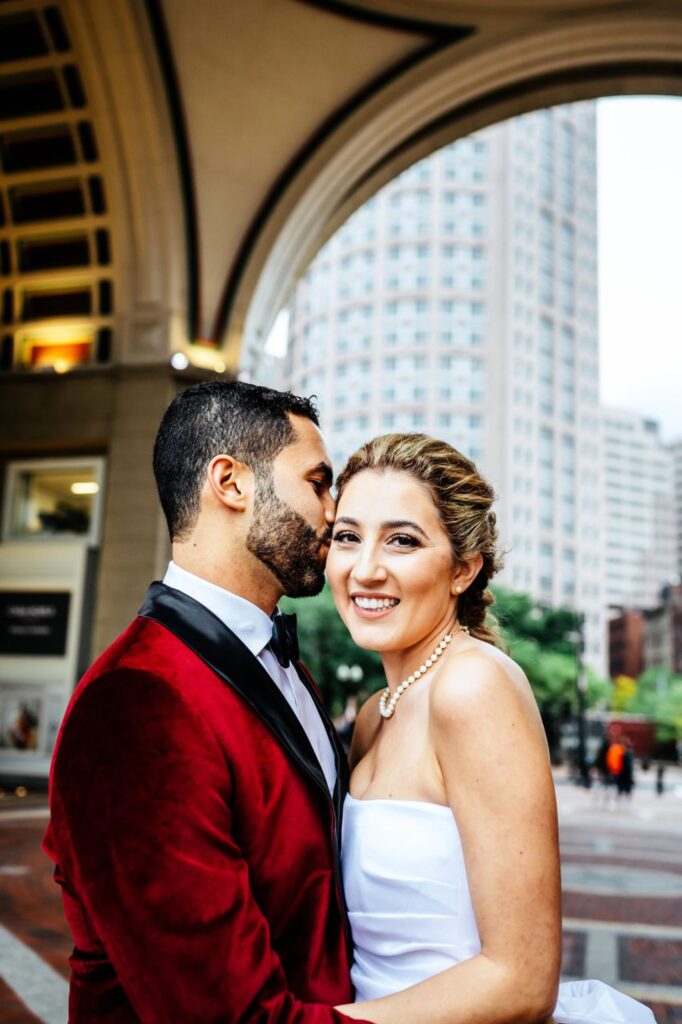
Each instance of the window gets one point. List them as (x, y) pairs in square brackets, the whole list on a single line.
[(50, 500), (53, 253), (24, 95), (41, 303), (21, 37), (47, 201), (45, 147)]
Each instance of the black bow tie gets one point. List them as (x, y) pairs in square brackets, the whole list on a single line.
[(284, 642)]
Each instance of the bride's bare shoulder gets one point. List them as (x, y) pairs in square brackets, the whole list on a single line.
[(480, 680)]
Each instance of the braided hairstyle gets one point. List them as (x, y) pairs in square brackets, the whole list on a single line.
[(463, 500)]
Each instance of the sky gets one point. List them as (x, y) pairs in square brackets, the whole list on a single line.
[(640, 256)]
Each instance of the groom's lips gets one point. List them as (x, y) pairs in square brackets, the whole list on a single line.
[(373, 612)]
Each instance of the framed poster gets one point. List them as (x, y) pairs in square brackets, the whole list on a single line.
[(34, 623)]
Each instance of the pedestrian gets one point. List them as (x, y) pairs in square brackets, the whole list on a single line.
[(625, 779), (614, 766), (660, 769), (602, 768)]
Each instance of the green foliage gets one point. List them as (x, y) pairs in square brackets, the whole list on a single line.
[(658, 695), (624, 689), (598, 691), (551, 674), (544, 641), (519, 616), (325, 644)]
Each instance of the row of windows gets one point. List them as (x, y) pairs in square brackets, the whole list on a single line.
[(468, 366), (55, 252), (402, 307), (61, 145), (34, 351), (44, 91), (53, 200), (45, 302), (27, 34), (38, 203), (316, 349)]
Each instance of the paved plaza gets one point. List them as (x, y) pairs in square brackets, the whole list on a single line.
[(622, 883)]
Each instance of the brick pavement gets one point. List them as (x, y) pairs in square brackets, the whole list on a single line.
[(628, 938), (622, 891)]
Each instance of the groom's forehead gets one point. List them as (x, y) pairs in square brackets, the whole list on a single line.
[(308, 449)]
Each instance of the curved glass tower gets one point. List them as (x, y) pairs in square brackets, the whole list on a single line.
[(462, 301)]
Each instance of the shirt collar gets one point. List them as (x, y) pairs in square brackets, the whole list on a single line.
[(250, 623)]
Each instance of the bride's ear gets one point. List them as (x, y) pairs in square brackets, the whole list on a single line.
[(465, 574)]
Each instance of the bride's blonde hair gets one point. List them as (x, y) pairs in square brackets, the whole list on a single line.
[(464, 502)]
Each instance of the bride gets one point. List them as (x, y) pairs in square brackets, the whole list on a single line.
[(450, 853)]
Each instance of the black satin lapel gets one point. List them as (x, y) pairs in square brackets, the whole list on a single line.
[(223, 652)]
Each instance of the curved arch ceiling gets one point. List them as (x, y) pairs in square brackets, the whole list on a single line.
[(296, 112), (443, 12)]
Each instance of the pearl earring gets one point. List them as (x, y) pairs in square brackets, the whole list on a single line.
[(458, 589)]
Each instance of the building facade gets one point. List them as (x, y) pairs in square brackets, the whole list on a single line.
[(641, 552), (640, 640), (626, 644), (676, 449), (461, 301)]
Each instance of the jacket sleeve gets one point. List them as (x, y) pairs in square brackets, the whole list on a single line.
[(140, 799)]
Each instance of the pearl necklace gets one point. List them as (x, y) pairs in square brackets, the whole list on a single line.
[(387, 706)]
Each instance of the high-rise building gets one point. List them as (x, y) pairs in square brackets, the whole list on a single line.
[(640, 548), (461, 301), (676, 449)]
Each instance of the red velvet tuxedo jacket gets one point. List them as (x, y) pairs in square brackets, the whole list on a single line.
[(195, 838)]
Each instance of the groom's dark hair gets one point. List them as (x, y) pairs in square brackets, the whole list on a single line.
[(248, 422)]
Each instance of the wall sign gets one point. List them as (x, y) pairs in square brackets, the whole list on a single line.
[(33, 622)]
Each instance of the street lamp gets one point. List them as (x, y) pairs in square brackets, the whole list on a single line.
[(577, 637), (352, 673)]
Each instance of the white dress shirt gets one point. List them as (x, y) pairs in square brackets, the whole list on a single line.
[(254, 629)]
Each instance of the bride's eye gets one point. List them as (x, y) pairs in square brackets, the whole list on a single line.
[(404, 540), (345, 537)]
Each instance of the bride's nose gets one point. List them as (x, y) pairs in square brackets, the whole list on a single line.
[(368, 567)]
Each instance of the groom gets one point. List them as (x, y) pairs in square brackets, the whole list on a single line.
[(197, 782)]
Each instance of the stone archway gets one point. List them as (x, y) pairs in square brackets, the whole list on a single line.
[(489, 78)]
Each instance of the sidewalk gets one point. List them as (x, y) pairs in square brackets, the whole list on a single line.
[(622, 889), (621, 882)]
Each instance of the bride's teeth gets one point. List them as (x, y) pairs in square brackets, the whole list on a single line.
[(375, 604)]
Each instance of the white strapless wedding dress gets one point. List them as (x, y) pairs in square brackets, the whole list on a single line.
[(411, 914)]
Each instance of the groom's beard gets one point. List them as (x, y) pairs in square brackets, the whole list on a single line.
[(286, 543)]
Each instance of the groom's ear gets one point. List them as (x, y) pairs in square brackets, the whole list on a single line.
[(230, 482)]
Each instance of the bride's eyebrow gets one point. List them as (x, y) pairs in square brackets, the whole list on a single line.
[(399, 524)]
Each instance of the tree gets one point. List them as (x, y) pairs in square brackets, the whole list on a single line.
[(658, 695), (544, 641)]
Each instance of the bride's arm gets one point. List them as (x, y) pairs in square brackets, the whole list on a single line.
[(490, 746)]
